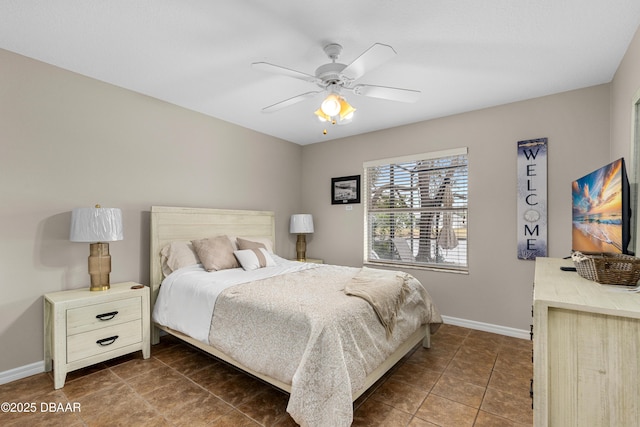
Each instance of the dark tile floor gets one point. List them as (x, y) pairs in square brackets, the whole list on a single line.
[(467, 378)]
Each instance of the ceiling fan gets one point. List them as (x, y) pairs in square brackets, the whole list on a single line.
[(336, 78)]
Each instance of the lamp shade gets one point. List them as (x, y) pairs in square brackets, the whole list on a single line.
[(96, 225), (301, 223), (331, 105)]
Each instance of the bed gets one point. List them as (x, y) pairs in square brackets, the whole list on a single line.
[(337, 355)]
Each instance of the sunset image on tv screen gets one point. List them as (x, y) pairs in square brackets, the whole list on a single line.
[(597, 211)]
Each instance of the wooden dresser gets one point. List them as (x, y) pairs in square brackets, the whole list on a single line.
[(586, 350)]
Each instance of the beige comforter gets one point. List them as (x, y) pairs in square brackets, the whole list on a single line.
[(302, 329)]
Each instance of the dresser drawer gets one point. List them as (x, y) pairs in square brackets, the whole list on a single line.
[(96, 316), (91, 343)]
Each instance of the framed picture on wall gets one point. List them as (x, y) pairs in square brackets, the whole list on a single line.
[(345, 189)]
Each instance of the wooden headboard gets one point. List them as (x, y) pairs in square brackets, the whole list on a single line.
[(170, 224)]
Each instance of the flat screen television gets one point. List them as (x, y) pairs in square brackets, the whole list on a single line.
[(601, 211)]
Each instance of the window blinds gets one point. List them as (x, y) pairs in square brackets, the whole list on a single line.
[(416, 210)]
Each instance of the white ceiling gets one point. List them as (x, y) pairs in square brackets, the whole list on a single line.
[(463, 55)]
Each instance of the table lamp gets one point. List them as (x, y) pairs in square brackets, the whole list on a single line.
[(301, 224), (97, 226)]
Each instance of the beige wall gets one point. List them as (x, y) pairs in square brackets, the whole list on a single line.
[(498, 288), (625, 90), (625, 85), (68, 141)]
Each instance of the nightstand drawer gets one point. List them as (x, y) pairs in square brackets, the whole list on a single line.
[(97, 316), (87, 344)]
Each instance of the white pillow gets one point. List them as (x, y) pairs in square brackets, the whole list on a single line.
[(252, 259)]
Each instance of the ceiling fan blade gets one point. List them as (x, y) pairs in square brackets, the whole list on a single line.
[(288, 102), (283, 71), (390, 93), (371, 58)]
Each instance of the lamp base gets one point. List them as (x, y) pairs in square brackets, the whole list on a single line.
[(301, 248), (99, 266)]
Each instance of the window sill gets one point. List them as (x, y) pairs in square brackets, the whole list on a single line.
[(402, 266)]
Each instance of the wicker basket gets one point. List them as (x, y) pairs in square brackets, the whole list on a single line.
[(608, 269)]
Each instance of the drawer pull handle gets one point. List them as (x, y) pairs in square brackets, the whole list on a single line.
[(531, 392), (106, 316), (531, 388), (107, 341)]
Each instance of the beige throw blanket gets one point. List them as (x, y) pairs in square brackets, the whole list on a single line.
[(384, 290)]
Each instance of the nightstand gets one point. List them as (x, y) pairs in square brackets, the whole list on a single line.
[(82, 328), (312, 260)]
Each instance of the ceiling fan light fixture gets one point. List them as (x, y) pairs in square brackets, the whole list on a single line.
[(346, 110), (346, 120), (321, 115), (331, 105)]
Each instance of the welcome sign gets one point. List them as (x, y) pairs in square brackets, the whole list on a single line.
[(532, 198)]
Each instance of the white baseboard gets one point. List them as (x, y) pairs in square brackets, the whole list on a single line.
[(38, 367), (21, 372), (487, 327)]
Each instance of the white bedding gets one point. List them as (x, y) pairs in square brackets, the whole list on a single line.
[(301, 329), (187, 296)]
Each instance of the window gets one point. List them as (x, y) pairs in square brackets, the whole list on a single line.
[(416, 211)]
